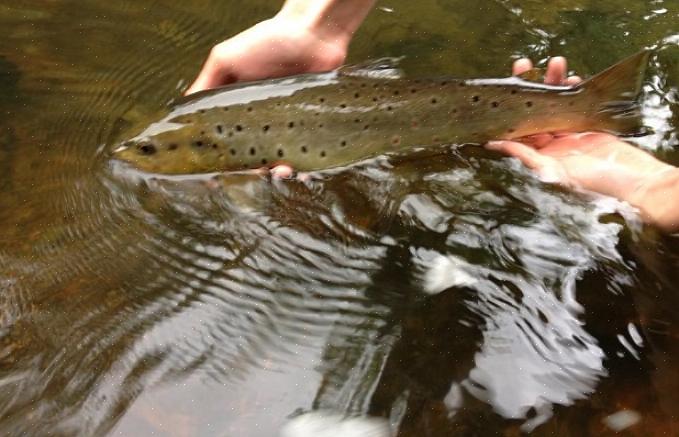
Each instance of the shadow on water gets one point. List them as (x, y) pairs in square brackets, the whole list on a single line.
[(449, 293)]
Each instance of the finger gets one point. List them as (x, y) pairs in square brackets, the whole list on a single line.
[(522, 65), (556, 71), (530, 157), (537, 141), (282, 171), (213, 74), (573, 80)]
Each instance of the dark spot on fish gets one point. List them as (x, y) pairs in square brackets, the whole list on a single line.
[(434, 101), (396, 141), (417, 81), (230, 134), (415, 124), (513, 91), (529, 104), (253, 151), (396, 92), (219, 128), (266, 128), (511, 130), (202, 111), (366, 127), (264, 161), (357, 95), (291, 124), (322, 100), (232, 151), (322, 153), (461, 84), (454, 111), (475, 98), (444, 83), (225, 109), (198, 144), (571, 103), (343, 144), (172, 146), (147, 149), (215, 146), (343, 106), (374, 99), (320, 125), (413, 91), (249, 108), (239, 128), (317, 114), (202, 132), (280, 153), (278, 104), (495, 104), (389, 108), (304, 149), (377, 85), (358, 120), (363, 85)]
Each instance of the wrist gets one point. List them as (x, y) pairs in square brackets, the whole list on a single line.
[(657, 197), (331, 21)]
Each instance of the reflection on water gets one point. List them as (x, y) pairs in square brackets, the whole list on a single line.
[(439, 294)]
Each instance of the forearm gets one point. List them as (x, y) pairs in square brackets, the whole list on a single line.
[(658, 200), (332, 20)]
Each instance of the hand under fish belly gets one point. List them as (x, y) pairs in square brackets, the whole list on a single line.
[(320, 121)]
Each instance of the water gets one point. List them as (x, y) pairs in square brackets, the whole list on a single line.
[(452, 294)]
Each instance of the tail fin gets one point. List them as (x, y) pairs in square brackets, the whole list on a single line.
[(617, 89)]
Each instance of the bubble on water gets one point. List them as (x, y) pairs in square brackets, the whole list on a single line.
[(622, 420)]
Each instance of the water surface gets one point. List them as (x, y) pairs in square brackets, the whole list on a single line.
[(452, 294)]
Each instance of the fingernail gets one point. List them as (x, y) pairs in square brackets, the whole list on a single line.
[(493, 145)]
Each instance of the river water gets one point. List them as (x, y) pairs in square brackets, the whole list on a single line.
[(438, 295)]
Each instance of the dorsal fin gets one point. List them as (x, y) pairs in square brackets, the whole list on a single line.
[(533, 75), (383, 68)]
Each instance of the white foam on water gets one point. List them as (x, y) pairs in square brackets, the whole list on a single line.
[(328, 424), (446, 272)]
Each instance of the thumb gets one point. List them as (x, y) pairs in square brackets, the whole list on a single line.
[(214, 73), (546, 167), (530, 157)]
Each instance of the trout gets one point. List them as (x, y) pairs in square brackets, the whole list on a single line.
[(320, 121)]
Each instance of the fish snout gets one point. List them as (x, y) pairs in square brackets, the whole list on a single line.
[(144, 148)]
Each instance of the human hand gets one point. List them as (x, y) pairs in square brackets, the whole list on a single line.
[(591, 161), (280, 46)]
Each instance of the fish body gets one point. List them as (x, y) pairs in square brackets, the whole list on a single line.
[(327, 120)]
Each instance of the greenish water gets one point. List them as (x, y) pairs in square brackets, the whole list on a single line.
[(231, 306)]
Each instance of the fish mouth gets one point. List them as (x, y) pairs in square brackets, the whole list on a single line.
[(120, 148)]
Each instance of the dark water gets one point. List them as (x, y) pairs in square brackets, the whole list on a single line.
[(452, 294)]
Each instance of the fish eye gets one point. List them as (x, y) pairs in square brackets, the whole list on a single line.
[(146, 149)]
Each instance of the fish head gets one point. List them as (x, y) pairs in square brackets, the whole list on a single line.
[(177, 151), (146, 154)]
